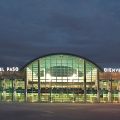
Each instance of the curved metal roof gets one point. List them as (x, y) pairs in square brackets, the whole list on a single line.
[(70, 54)]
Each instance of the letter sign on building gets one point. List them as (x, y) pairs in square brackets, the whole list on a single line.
[(111, 69)]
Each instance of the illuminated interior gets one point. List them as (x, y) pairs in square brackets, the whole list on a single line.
[(60, 78)]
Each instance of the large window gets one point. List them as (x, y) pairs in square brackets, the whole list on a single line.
[(62, 78)]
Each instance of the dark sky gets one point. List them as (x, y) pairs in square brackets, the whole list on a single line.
[(31, 28)]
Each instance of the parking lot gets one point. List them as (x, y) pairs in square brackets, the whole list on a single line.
[(59, 111)]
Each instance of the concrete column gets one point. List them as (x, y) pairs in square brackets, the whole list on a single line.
[(14, 90), (110, 91), (4, 91)]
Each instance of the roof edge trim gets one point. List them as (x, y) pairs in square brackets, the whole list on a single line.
[(23, 67)]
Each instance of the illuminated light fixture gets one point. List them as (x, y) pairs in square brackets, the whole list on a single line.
[(48, 76), (74, 76)]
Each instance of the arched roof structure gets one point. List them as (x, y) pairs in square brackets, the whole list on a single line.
[(69, 54)]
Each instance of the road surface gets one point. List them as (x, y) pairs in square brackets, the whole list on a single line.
[(59, 111)]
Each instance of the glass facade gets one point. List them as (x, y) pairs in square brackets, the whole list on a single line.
[(61, 78), (109, 91), (12, 90)]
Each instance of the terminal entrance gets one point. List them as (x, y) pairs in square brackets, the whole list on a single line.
[(62, 92)]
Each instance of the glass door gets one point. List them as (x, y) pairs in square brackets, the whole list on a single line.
[(105, 91), (115, 91), (9, 90)]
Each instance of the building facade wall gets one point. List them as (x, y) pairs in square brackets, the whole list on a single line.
[(12, 90), (61, 78)]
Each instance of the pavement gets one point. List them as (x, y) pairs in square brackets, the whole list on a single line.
[(59, 111)]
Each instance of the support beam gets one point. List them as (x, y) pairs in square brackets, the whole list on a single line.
[(84, 81), (98, 87), (38, 81), (25, 93)]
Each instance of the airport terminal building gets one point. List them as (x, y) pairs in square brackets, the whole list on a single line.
[(63, 78)]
